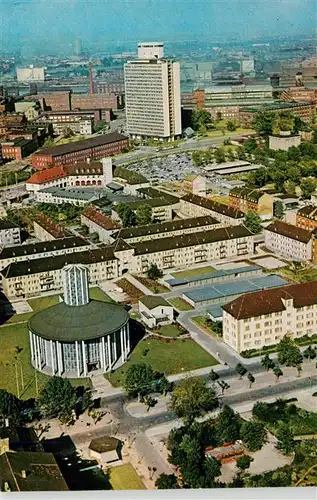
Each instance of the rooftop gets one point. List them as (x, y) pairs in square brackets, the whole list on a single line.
[(222, 273), (42, 472), (192, 239), (164, 227), (49, 225), (248, 194), (289, 231), (152, 202), (153, 301), (48, 175), (98, 218), (54, 262), (6, 224), (72, 147), (276, 105), (269, 301), (310, 211), (72, 194), (214, 206), (104, 444), (66, 323), (42, 246), (156, 193)]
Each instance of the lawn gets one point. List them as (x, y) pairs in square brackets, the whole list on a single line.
[(124, 477), (152, 285), (134, 293), (201, 321), (189, 273), (221, 199), (180, 304), (170, 331), (96, 293), (176, 356), (44, 302), (13, 336)]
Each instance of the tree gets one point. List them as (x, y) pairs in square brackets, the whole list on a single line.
[(191, 398), (244, 462), (199, 118), (262, 411), (167, 482), (219, 155), (138, 380), (277, 372), (308, 186), (278, 209), (150, 402), (202, 129), (251, 379), (309, 353), (102, 124), (126, 215), (212, 468), (299, 368), (250, 145), (264, 122), (253, 434), (240, 370), (231, 126), (252, 221), (228, 425), (58, 399), (267, 362), (258, 177), (285, 438), (143, 215), (213, 376), (10, 408), (154, 272), (217, 328), (288, 353), (219, 116)]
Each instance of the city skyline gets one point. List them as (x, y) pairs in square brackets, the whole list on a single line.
[(30, 22)]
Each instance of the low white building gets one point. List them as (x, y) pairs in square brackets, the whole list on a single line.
[(284, 141), (105, 449), (9, 233), (58, 196), (288, 241), (155, 310)]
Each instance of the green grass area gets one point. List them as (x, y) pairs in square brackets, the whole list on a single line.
[(169, 357), (169, 330), (19, 318), (188, 273), (124, 477), (11, 337), (180, 304), (153, 285), (299, 274), (201, 321), (96, 293), (44, 302)]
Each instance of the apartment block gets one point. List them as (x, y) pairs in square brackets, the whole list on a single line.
[(195, 206), (152, 96), (9, 233), (98, 223), (162, 209), (166, 229), (35, 251), (263, 318), (246, 199), (306, 217), (288, 241), (46, 229)]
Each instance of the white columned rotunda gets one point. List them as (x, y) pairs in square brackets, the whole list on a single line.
[(79, 336)]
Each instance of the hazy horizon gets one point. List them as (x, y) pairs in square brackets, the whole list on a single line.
[(51, 24)]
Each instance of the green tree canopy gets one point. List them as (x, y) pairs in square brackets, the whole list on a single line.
[(126, 215), (244, 462), (143, 215), (288, 353), (308, 186), (58, 399), (253, 435), (191, 398), (278, 209), (285, 438), (252, 221), (167, 482), (231, 126), (139, 379), (154, 272), (267, 362), (228, 425), (199, 118), (241, 370), (10, 408)]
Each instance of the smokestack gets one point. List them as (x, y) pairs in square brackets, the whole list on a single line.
[(91, 81)]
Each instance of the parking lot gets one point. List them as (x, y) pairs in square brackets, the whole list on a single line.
[(174, 167)]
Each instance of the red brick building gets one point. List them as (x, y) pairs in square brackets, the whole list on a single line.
[(57, 101), (299, 94), (306, 217), (18, 148), (68, 154), (302, 109), (95, 101)]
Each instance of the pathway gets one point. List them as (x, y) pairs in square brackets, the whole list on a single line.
[(137, 284)]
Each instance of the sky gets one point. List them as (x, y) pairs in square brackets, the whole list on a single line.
[(54, 21)]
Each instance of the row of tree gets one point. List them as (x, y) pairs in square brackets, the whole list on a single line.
[(130, 218)]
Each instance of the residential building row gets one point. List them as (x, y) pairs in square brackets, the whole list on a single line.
[(46, 229), (26, 277), (68, 154), (9, 233), (161, 209), (263, 318), (249, 199), (195, 206), (96, 222), (289, 241)]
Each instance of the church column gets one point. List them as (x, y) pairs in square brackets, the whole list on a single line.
[(103, 347), (109, 353), (84, 358), (59, 358), (31, 345), (77, 359), (115, 345), (52, 356), (128, 337), (100, 355), (122, 345), (38, 351)]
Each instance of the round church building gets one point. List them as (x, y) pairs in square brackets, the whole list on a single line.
[(79, 336)]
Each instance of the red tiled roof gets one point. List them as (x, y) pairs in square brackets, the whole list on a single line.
[(47, 175), (268, 301), (289, 231), (105, 222)]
